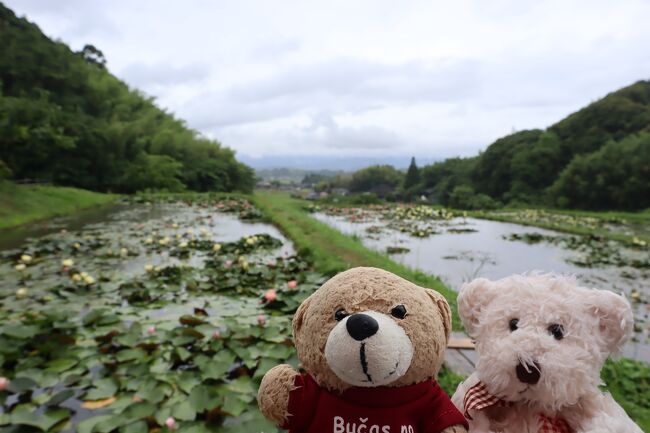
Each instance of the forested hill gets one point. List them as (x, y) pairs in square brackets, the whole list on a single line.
[(64, 118), (596, 158)]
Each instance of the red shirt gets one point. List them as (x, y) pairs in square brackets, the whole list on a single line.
[(419, 408)]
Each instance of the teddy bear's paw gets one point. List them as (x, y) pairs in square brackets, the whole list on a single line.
[(273, 395)]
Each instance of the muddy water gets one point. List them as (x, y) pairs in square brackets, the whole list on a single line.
[(466, 248)]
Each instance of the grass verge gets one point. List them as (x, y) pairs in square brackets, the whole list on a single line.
[(22, 204)]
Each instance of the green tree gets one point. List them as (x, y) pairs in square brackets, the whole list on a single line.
[(155, 172), (65, 118), (493, 172), (464, 197), (412, 177), (617, 176), (440, 179), (534, 167), (379, 179)]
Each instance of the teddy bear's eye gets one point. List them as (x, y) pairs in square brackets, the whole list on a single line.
[(513, 324), (340, 314), (557, 331), (399, 311)]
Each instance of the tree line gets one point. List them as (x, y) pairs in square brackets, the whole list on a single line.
[(65, 119), (596, 158)]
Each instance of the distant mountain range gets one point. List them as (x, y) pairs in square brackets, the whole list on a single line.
[(309, 163)]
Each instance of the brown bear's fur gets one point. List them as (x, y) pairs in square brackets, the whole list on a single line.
[(427, 325)]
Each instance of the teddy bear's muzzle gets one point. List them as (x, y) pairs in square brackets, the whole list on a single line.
[(368, 349)]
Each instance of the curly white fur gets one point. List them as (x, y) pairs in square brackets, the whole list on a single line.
[(596, 324)]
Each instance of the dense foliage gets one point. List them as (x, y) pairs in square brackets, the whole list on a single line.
[(617, 176), (379, 179), (65, 119)]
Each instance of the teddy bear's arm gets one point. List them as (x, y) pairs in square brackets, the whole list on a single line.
[(273, 395)]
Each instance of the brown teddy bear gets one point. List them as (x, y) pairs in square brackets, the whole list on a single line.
[(371, 344)]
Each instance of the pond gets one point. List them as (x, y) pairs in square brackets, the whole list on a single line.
[(145, 315), (458, 249)]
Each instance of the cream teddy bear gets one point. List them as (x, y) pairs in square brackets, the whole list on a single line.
[(541, 342), (371, 345)]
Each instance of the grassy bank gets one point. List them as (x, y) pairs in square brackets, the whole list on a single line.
[(333, 251), (22, 204)]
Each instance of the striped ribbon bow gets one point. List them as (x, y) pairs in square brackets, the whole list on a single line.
[(478, 398)]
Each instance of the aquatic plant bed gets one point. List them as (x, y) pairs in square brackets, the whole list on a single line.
[(632, 228), (415, 220), (163, 318)]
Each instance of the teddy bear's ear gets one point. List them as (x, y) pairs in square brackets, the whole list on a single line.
[(299, 317), (472, 299), (444, 309), (615, 318)]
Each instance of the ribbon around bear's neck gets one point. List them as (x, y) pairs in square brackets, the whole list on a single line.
[(478, 398)]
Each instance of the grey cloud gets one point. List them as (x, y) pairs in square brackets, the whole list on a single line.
[(147, 76), (326, 132), (341, 85), (275, 48), (437, 80)]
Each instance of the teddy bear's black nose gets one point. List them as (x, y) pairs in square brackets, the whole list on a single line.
[(528, 373), (361, 326)]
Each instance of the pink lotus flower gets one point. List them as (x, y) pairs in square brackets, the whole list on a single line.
[(170, 423), (4, 383), (292, 284), (261, 320), (151, 330), (270, 295), (216, 335), (227, 264)]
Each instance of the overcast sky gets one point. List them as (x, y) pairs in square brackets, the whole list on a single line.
[(361, 78)]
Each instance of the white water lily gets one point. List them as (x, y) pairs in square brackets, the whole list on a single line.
[(67, 263), (20, 267), (76, 245), (124, 252), (164, 241), (216, 247), (89, 280), (26, 258), (21, 293), (148, 241), (148, 268), (76, 278), (183, 245)]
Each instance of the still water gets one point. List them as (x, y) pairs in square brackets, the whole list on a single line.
[(467, 248)]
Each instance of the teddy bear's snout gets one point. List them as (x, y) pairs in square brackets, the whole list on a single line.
[(361, 326), (528, 373)]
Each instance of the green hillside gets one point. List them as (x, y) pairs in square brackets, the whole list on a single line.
[(65, 119), (596, 158)]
